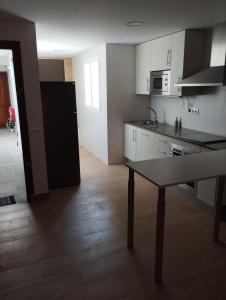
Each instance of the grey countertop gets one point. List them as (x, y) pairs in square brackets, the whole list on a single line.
[(211, 141), (165, 172), (217, 146)]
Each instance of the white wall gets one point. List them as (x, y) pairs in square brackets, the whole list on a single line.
[(212, 106), (92, 124), (24, 31), (102, 132), (123, 103)]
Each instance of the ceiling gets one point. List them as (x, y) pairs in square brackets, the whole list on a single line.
[(67, 27)]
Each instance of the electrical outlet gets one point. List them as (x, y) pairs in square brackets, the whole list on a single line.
[(195, 111)]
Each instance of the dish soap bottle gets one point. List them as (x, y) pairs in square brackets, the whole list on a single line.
[(176, 123), (180, 123)]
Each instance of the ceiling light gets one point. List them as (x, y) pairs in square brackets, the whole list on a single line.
[(135, 23)]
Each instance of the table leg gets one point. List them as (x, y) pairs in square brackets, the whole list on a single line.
[(130, 209), (218, 209), (159, 234)]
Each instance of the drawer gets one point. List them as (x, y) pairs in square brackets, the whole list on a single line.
[(187, 145), (163, 140), (162, 152)]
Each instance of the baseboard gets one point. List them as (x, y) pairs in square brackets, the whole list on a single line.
[(40, 197)]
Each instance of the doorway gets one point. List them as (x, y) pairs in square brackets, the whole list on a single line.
[(15, 164)]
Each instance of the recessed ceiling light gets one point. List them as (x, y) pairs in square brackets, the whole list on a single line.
[(135, 23)]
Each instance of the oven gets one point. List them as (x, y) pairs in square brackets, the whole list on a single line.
[(177, 150), (160, 83)]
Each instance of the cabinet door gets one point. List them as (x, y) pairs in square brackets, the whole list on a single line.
[(206, 189), (177, 62), (143, 56), (161, 54), (146, 146), (130, 142)]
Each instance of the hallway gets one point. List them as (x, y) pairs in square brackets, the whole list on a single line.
[(73, 246), (12, 180)]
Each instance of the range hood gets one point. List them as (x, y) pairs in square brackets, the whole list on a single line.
[(212, 76), (215, 75)]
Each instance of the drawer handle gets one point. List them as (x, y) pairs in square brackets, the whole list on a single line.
[(163, 152), (145, 135), (163, 141)]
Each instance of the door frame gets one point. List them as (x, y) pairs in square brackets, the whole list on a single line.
[(18, 71)]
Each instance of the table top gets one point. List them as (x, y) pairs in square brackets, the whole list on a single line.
[(165, 172)]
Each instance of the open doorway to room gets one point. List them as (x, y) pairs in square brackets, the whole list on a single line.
[(13, 187)]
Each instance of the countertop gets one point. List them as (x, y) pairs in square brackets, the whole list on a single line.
[(217, 146), (186, 134), (165, 172)]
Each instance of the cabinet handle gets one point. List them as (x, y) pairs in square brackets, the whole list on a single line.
[(169, 56), (148, 84), (179, 87), (134, 135), (163, 141), (167, 59)]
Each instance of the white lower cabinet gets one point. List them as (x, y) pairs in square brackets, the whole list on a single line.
[(206, 189), (130, 144), (145, 145), (141, 144)]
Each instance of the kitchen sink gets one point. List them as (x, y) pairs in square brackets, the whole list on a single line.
[(150, 124)]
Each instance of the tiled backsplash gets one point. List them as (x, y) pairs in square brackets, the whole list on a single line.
[(211, 105)]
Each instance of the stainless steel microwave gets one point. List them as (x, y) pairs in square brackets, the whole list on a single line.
[(160, 83)]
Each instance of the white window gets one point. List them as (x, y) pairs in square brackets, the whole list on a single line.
[(91, 78)]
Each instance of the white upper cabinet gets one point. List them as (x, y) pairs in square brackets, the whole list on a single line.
[(143, 57), (177, 62), (161, 53), (184, 53)]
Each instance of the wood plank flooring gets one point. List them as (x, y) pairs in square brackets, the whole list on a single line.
[(73, 246)]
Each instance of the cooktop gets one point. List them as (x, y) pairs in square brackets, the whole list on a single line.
[(205, 138)]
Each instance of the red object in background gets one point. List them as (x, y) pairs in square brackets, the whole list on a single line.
[(12, 116)]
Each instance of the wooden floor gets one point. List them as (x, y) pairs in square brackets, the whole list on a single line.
[(74, 245)]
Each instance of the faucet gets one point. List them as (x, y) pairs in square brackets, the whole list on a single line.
[(155, 113)]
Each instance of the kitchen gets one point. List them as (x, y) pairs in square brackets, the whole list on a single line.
[(103, 238), (193, 164), (188, 116)]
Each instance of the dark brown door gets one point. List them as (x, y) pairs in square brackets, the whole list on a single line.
[(61, 137), (4, 99)]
